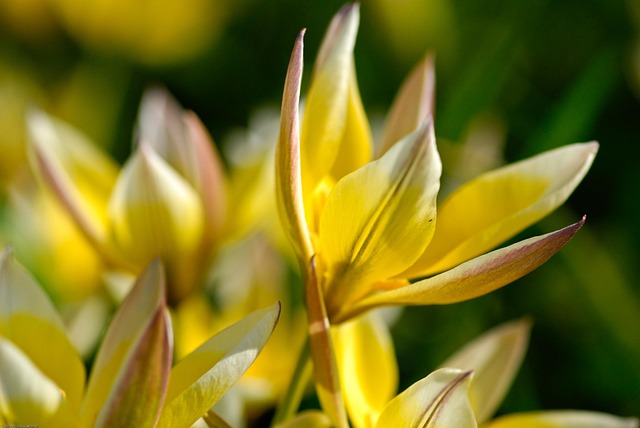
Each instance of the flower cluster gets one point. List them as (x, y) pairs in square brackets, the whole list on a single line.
[(175, 229)]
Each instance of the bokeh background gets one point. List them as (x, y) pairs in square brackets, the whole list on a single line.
[(513, 79)]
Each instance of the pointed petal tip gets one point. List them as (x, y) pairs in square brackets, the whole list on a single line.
[(352, 7)]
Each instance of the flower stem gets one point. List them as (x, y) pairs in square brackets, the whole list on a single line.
[(299, 381)]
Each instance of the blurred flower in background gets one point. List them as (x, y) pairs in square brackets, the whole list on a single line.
[(168, 200)]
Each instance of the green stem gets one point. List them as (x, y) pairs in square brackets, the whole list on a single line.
[(299, 381)]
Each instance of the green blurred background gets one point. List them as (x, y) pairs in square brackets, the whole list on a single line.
[(531, 75)]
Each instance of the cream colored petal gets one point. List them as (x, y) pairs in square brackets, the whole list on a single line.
[(137, 396), (159, 123), (29, 320), (27, 396), (563, 419), (326, 106), (368, 367), (183, 142), (77, 173), (380, 218), (413, 104), (126, 339), (495, 358), (473, 278), (437, 401), (211, 184), (495, 206), (202, 377), (153, 210), (288, 178)]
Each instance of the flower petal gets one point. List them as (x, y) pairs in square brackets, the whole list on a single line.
[(563, 419), (333, 109), (475, 277), (77, 173), (203, 376), (154, 212), (439, 400), (29, 320), (183, 141), (495, 358), (139, 330), (497, 205), (379, 219), (413, 105), (27, 395), (363, 347), (137, 397), (212, 181), (288, 181)]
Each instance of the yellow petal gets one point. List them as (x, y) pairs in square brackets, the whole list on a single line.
[(202, 377), (495, 358), (184, 143), (153, 211), (475, 277), (138, 322), (27, 395), (328, 107), (75, 171), (497, 205), (29, 320), (413, 104), (138, 394), (437, 401), (356, 145), (378, 220), (288, 181), (368, 367), (563, 419)]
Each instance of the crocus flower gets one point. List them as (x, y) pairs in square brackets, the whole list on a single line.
[(364, 228), (168, 200), (132, 382)]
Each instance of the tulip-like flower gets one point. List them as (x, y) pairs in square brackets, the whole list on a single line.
[(495, 358), (132, 382), (168, 200), (364, 346), (363, 228), (438, 400)]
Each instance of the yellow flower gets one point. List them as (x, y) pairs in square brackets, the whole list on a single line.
[(168, 200), (495, 358), (364, 346), (364, 228), (372, 223), (132, 382)]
